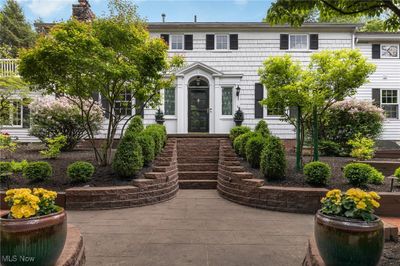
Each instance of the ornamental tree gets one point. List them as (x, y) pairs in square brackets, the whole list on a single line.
[(330, 76), (296, 12), (110, 57)]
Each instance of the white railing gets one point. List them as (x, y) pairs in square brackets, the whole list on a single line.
[(9, 67)]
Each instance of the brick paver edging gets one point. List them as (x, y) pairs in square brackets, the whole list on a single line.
[(240, 186), (73, 253)]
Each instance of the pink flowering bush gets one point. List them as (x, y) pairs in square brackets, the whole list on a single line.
[(52, 117), (349, 118)]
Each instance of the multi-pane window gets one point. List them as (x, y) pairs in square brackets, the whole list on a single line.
[(123, 106), (14, 116), (390, 103), (169, 101), (389, 51), (227, 101), (298, 41), (176, 42), (222, 42)]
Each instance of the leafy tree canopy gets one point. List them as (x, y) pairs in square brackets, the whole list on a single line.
[(296, 12), (15, 31)]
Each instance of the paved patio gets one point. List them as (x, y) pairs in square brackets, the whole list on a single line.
[(196, 228)]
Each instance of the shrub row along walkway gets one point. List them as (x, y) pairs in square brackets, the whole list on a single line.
[(197, 227)]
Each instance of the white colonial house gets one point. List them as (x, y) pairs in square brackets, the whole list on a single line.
[(223, 57)]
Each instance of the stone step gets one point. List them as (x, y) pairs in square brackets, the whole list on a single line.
[(198, 175), (198, 167), (197, 184), (198, 159)]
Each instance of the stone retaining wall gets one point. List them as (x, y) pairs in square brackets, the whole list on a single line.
[(240, 186)]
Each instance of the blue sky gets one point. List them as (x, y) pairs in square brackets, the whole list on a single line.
[(176, 10)]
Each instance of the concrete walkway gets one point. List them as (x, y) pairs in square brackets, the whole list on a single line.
[(196, 228)]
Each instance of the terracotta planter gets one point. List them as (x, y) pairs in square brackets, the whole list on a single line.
[(348, 242), (33, 241)]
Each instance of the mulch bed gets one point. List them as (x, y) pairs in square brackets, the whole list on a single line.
[(103, 176), (296, 179)]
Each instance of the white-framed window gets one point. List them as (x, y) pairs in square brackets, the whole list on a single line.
[(169, 101), (227, 100), (123, 105), (389, 51), (298, 41), (390, 103), (14, 116), (176, 42), (221, 42)]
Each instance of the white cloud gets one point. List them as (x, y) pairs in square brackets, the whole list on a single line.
[(46, 8)]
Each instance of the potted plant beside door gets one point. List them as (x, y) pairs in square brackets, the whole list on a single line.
[(35, 229), (238, 117), (346, 230)]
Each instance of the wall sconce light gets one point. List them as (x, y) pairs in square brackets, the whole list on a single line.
[(237, 91)]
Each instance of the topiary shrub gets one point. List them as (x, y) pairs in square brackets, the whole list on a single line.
[(5, 170), (254, 147), (273, 160), (376, 177), (128, 159), (317, 173), (158, 139), (162, 129), (237, 131), (38, 171), (262, 128), (80, 171), (397, 174), (135, 125), (147, 143), (358, 174)]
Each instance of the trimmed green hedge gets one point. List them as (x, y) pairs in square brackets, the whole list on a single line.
[(358, 174), (273, 160), (147, 143), (135, 125), (254, 147), (237, 131), (317, 173), (262, 128), (128, 159)]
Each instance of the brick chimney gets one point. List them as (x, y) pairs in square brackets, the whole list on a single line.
[(82, 11)]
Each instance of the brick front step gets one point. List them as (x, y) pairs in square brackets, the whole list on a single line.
[(197, 159), (197, 167), (198, 175), (197, 184), (198, 153)]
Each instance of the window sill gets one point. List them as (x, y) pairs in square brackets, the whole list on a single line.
[(170, 117), (226, 117)]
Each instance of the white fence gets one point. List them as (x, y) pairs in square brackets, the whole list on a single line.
[(8, 67)]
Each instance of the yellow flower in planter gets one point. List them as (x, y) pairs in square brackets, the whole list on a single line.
[(361, 205), (24, 203)]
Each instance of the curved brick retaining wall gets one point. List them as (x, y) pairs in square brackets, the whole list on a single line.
[(157, 186), (240, 186)]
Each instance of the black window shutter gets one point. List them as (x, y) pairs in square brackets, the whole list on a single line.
[(165, 37), (258, 96), (210, 42), (313, 41), (188, 42), (234, 42), (376, 97), (105, 105), (284, 43), (293, 111), (376, 51), (26, 118)]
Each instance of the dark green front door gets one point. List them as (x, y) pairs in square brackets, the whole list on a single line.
[(198, 110)]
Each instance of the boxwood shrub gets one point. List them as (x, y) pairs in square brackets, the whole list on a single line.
[(254, 147), (376, 177), (240, 143), (80, 171), (128, 159), (237, 131), (273, 160), (262, 128), (317, 173), (135, 125), (5, 170), (358, 174), (38, 171), (147, 143), (157, 137), (162, 129)]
